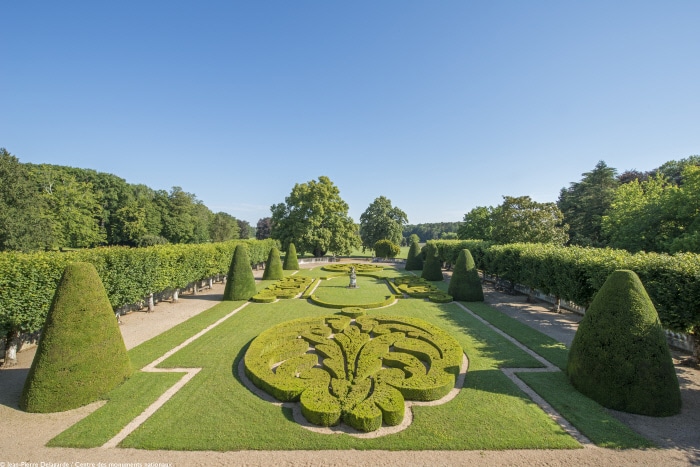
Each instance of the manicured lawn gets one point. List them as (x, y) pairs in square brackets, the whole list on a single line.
[(215, 411)]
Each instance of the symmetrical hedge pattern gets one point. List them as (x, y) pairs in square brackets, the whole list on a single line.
[(417, 287), (360, 268), (287, 287), (358, 371)]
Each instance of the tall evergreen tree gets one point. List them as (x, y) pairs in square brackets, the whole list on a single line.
[(585, 203)]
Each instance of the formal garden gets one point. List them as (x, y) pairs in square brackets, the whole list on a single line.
[(304, 361)]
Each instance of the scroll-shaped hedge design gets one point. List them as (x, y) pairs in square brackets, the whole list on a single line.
[(359, 371)]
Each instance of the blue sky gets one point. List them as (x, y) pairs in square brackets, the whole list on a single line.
[(439, 106)]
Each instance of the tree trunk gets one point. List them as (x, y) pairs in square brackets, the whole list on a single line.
[(195, 288), (12, 345), (176, 295), (151, 305), (695, 336), (211, 283), (531, 295)]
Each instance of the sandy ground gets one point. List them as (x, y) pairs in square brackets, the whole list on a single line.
[(26, 434)]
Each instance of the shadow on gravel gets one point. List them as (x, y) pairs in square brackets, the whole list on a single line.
[(11, 384)]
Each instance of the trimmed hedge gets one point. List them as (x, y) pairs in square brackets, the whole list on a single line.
[(360, 268), (432, 267), (28, 280), (291, 263), (353, 377), (414, 260), (273, 266), (81, 354), (388, 300), (619, 356), (240, 282), (386, 249), (465, 284), (577, 273)]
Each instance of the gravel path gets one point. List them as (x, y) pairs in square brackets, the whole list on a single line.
[(26, 434)]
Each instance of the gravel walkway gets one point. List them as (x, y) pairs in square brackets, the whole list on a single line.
[(26, 434)]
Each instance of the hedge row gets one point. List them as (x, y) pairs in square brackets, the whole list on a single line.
[(28, 280), (362, 375), (577, 273)]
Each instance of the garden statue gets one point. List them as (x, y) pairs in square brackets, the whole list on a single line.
[(353, 278)]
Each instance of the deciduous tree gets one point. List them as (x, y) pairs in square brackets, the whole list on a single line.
[(316, 219), (381, 221)]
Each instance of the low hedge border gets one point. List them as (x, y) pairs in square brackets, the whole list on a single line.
[(388, 300)]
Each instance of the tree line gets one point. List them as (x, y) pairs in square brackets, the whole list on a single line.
[(654, 211), (49, 207)]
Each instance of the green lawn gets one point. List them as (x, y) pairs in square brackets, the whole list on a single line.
[(215, 411)]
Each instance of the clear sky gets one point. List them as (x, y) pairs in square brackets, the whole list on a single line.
[(440, 106)]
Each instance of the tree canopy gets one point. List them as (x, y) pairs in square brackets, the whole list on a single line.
[(381, 221), (315, 218), (585, 203)]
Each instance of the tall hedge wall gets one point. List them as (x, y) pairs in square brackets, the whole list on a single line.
[(577, 273), (29, 280)]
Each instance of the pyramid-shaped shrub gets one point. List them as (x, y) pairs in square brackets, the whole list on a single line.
[(81, 354), (465, 284), (290, 259), (273, 267), (432, 267), (619, 356), (240, 283), (414, 260)]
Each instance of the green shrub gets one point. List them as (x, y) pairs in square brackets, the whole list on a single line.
[(414, 260), (432, 267), (465, 284), (240, 282), (619, 356), (291, 263), (440, 297), (273, 266), (81, 354), (386, 249)]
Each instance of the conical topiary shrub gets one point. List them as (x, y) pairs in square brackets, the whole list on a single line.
[(240, 283), (432, 267), (619, 356), (290, 259), (465, 284), (81, 354), (273, 267), (414, 260)]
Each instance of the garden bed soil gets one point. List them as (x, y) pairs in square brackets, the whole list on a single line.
[(27, 434)]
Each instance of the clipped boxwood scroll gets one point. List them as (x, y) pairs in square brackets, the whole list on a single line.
[(359, 371)]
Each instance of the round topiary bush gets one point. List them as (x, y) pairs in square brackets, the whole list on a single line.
[(240, 282), (81, 354), (465, 284), (273, 267), (432, 267), (619, 356), (386, 249), (414, 260), (291, 263)]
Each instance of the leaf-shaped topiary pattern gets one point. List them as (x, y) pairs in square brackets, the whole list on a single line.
[(359, 371)]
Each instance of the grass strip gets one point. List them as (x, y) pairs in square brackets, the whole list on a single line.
[(146, 352), (124, 403), (589, 417), (552, 350)]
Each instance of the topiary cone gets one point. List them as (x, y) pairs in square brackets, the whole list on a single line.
[(273, 267), (465, 284), (291, 263), (240, 283), (432, 268), (414, 260), (619, 356), (81, 354)]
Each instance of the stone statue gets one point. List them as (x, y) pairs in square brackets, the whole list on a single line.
[(353, 278)]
